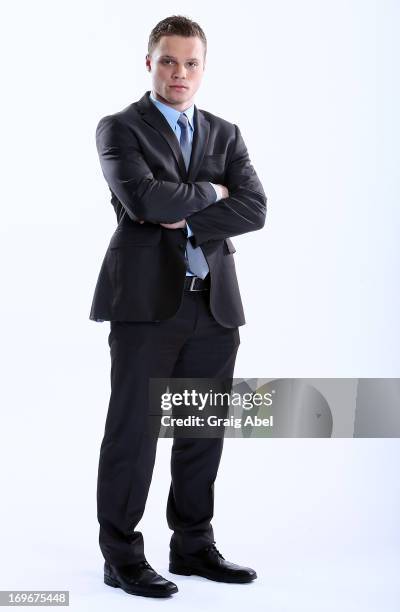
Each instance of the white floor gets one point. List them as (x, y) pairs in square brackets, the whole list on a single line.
[(317, 519), (347, 584)]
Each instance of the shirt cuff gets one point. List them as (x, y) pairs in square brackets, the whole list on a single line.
[(217, 190), (188, 230)]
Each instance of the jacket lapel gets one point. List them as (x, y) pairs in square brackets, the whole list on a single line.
[(200, 140), (156, 119)]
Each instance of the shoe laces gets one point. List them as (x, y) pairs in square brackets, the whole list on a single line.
[(145, 564), (213, 548)]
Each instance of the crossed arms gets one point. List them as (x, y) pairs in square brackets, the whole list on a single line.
[(144, 197)]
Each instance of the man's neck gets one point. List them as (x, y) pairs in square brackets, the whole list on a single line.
[(177, 107)]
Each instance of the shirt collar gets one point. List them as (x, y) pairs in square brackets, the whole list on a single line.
[(171, 114)]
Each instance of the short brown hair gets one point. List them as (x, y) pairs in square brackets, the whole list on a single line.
[(176, 25)]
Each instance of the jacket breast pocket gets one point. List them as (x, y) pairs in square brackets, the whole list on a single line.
[(212, 168)]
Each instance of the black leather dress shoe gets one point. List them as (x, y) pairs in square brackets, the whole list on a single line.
[(210, 564), (138, 579)]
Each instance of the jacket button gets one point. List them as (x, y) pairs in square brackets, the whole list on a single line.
[(181, 246)]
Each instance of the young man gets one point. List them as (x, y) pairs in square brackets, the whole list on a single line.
[(181, 184)]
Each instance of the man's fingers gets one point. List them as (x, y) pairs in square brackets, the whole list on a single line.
[(176, 225)]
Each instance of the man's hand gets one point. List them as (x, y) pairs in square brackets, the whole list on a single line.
[(224, 191), (175, 225)]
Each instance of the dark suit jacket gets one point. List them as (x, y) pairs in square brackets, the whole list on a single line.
[(143, 271)]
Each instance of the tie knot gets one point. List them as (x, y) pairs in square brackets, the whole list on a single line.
[(183, 120)]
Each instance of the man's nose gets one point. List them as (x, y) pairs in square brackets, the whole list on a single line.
[(180, 72)]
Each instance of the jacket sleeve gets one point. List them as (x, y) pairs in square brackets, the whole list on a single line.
[(244, 210), (131, 180)]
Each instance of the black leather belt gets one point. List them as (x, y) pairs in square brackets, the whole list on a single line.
[(195, 283)]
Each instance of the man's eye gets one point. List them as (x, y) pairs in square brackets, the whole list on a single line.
[(167, 61)]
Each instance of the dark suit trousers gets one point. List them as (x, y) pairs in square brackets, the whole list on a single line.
[(190, 344)]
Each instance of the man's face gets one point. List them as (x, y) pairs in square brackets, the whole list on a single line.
[(176, 60)]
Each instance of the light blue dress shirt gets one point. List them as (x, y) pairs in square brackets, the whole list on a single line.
[(172, 117)]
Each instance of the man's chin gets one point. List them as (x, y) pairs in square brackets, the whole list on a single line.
[(179, 96), (172, 97)]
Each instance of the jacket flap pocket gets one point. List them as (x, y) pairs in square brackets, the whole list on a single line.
[(229, 245), (139, 236)]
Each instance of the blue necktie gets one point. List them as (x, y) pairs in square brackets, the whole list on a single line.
[(197, 263)]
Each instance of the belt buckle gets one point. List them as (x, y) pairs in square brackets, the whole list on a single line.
[(192, 282)]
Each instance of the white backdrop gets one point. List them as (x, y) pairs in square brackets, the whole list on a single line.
[(313, 87)]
